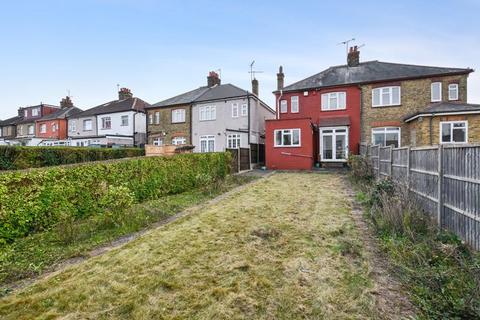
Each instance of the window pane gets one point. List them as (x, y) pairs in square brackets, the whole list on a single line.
[(287, 138), (342, 103), (385, 96), (453, 92), (283, 106), (333, 101), (327, 146), (459, 132), (446, 136), (340, 146), (436, 87), (296, 137), (379, 138), (376, 97), (391, 139), (395, 95), (325, 101), (278, 137)]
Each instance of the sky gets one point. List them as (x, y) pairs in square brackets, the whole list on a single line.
[(160, 49)]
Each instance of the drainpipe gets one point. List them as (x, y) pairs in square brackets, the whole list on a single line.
[(277, 113), (361, 117)]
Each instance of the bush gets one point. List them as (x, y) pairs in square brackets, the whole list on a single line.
[(361, 167), (16, 157), (34, 200)]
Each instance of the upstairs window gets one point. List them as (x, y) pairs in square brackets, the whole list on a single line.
[(87, 125), (388, 136), (178, 115), (436, 91), (283, 106), (43, 128), (72, 126), (35, 112), (233, 141), (157, 117), (386, 96), (453, 91), (235, 111), (150, 118), (294, 104), (244, 110), (106, 123), (124, 121), (334, 101), (287, 138), (208, 113), (453, 131)]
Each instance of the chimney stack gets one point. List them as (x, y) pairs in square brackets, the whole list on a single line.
[(213, 79), (20, 112), (66, 102), (353, 58), (280, 78), (124, 93), (255, 87)]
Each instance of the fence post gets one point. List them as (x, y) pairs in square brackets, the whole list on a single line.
[(440, 186), (408, 168)]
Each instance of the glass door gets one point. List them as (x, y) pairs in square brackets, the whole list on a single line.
[(334, 144)]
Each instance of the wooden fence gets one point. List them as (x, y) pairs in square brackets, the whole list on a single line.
[(444, 179)]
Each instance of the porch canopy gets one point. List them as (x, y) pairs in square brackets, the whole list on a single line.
[(334, 121)]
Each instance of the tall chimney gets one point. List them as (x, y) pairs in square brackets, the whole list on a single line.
[(353, 57), (66, 102), (255, 86), (280, 78), (124, 93), (213, 79)]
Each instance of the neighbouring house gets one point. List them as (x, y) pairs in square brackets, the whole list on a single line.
[(445, 123), (212, 118), (52, 128), (120, 122), (8, 130), (25, 132), (354, 103)]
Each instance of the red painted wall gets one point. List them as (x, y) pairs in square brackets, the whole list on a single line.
[(60, 134), (289, 158), (310, 107)]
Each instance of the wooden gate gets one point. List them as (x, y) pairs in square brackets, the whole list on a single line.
[(235, 160), (244, 158), (257, 153)]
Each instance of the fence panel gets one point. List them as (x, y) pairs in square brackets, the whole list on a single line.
[(445, 181)]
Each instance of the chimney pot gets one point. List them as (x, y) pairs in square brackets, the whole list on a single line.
[(280, 78), (66, 102), (213, 79), (124, 93), (353, 57)]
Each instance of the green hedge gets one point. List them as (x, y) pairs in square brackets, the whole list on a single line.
[(16, 157), (34, 200)]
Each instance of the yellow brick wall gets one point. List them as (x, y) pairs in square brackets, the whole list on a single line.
[(166, 126)]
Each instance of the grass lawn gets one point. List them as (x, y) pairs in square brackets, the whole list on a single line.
[(284, 248)]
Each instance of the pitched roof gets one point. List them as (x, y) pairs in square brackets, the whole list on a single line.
[(445, 107), (371, 71), (115, 106), (184, 98), (61, 114), (11, 121)]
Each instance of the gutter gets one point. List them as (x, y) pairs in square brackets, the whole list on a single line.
[(248, 104), (451, 113)]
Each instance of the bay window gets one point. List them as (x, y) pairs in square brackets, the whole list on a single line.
[(388, 136), (386, 96), (453, 131), (287, 138)]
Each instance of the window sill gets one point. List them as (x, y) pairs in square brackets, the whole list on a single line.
[(287, 146), (389, 106), (177, 122), (327, 110)]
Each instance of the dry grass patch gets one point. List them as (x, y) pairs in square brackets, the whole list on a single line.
[(284, 248)]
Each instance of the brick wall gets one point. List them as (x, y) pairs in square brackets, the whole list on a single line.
[(421, 128), (171, 129), (415, 96)]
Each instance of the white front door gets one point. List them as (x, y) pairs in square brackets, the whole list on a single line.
[(334, 144)]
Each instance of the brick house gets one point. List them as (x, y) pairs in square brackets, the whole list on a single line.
[(52, 128), (25, 127)]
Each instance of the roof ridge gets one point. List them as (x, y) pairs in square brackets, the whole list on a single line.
[(421, 65)]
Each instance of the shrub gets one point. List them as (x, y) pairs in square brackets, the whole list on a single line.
[(34, 200), (17, 157), (361, 167)]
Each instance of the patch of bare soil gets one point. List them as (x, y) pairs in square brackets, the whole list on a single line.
[(390, 298)]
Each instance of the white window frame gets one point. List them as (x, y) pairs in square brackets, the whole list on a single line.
[(207, 113), (283, 106), (453, 85), (333, 134), (178, 115), (54, 127), (390, 102), (341, 98), (150, 118), (106, 120), (31, 132), (85, 128), (157, 117), (207, 139), (35, 112), (72, 125), (235, 110), (377, 129), (290, 132), (123, 122), (158, 142), (451, 132), (244, 110), (294, 104), (233, 141), (25, 113), (43, 128), (176, 141), (432, 85)]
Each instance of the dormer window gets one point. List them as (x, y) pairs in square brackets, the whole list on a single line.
[(386, 96), (436, 91), (453, 91), (35, 112)]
